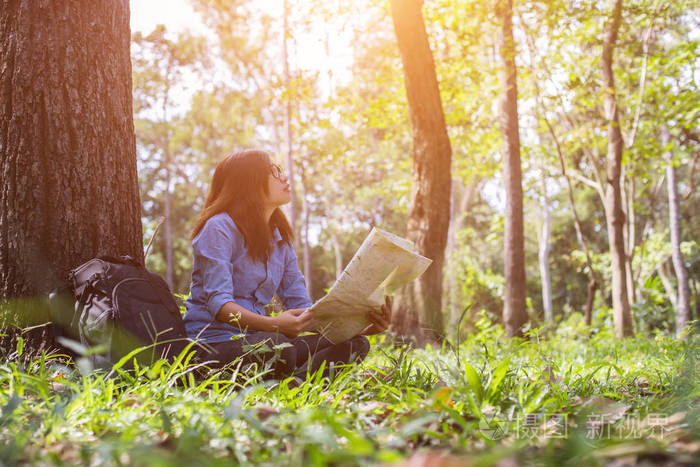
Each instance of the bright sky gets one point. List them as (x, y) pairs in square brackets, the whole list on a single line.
[(175, 14), (312, 54)]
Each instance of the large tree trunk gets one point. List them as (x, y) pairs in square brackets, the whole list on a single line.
[(514, 306), (419, 306), (614, 214), (67, 152), (683, 296)]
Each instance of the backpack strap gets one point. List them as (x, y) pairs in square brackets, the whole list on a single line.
[(124, 259)]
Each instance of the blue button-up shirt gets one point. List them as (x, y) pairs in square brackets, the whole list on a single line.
[(223, 271)]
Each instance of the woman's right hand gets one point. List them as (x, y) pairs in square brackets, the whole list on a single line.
[(293, 322)]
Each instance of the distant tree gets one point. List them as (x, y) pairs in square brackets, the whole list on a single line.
[(161, 61), (419, 306), (69, 186), (286, 35), (514, 306), (614, 213), (683, 296)]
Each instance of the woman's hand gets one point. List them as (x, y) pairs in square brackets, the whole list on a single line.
[(292, 322), (380, 320)]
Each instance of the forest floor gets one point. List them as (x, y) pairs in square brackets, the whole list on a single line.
[(554, 398)]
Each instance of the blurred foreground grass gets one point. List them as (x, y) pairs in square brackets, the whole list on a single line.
[(555, 398)]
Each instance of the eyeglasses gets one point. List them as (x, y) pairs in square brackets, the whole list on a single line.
[(276, 171)]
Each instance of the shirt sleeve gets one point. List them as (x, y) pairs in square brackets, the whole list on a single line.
[(292, 290), (213, 251)]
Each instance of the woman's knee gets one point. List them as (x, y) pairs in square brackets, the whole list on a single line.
[(284, 355), (272, 349), (359, 347)]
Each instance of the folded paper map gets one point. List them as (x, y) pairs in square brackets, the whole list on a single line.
[(383, 263)]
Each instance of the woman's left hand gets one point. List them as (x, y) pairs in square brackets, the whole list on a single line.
[(380, 320)]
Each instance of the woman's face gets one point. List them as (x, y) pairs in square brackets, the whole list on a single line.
[(277, 187)]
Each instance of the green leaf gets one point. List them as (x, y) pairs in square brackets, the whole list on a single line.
[(474, 381), (498, 375)]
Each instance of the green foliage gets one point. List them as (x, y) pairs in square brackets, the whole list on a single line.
[(477, 400), (351, 141)]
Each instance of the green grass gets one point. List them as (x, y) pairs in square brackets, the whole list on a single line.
[(555, 398)]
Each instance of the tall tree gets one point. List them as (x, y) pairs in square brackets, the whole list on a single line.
[(67, 153), (514, 305), (683, 296), (429, 215), (614, 213)]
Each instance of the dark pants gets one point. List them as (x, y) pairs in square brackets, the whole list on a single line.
[(292, 357)]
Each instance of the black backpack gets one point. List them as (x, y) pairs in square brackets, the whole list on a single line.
[(120, 305)]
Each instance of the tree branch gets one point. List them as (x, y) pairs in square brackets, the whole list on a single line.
[(589, 182), (642, 80)]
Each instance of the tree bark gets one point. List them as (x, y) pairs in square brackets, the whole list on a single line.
[(590, 297), (514, 306), (419, 305), (614, 214), (67, 151), (683, 296), (668, 285)]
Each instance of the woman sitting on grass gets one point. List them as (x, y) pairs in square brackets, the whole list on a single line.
[(243, 256)]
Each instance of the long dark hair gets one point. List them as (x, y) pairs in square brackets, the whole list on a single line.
[(238, 188)]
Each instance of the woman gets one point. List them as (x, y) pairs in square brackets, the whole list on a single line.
[(243, 256)]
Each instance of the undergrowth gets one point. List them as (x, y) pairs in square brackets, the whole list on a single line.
[(556, 397)]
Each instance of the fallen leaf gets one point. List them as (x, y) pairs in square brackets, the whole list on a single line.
[(609, 410), (441, 397), (56, 386), (511, 461), (625, 461), (370, 406), (434, 459), (675, 418), (690, 448), (661, 426), (264, 411), (634, 448)]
